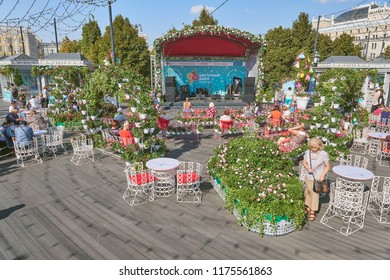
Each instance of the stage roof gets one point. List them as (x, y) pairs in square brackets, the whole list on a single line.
[(208, 44)]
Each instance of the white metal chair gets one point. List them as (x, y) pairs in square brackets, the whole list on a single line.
[(25, 151), (82, 149), (34, 126), (354, 160), (188, 182), (140, 184), (360, 141), (54, 141), (379, 202), (383, 154), (347, 206)]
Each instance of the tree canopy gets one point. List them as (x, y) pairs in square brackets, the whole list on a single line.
[(343, 45), (69, 46), (204, 19), (89, 44)]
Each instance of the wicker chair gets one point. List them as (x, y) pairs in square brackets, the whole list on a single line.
[(379, 202), (27, 150), (188, 182), (82, 149), (140, 184), (54, 141), (360, 141), (347, 206), (354, 160), (383, 153)]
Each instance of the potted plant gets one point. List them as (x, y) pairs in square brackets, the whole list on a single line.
[(137, 134)]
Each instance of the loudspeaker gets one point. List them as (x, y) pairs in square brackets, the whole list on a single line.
[(249, 89), (170, 81), (170, 93), (250, 82)]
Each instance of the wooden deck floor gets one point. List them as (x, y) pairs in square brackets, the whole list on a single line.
[(57, 210)]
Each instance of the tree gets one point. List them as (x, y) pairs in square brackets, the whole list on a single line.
[(69, 46), (386, 53), (279, 57), (343, 45), (89, 46), (204, 19), (131, 49), (18, 80), (324, 46), (301, 33)]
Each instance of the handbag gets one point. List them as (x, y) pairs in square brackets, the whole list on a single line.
[(319, 186)]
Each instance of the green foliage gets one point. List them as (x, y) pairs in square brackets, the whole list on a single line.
[(131, 49), (386, 53), (260, 177), (18, 81), (343, 45), (89, 44), (6, 71), (204, 19), (69, 46), (342, 86)]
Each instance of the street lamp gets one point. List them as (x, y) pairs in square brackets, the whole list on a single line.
[(316, 59)]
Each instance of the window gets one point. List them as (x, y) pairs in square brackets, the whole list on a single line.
[(373, 55), (384, 35), (376, 28), (366, 29), (383, 45), (385, 27), (358, 30)]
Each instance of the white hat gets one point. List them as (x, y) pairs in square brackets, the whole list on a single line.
[(120, 110)]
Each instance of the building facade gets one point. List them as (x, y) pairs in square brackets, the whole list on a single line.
[(16, 40), (368, 24)]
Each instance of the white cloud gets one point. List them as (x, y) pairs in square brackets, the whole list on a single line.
[(196, 9)]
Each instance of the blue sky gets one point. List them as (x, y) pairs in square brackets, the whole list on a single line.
[(157, 17)]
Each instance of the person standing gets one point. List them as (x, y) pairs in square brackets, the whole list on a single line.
[(317, 166), (279, 97), (375, 99), (14, 92), (288, 96)]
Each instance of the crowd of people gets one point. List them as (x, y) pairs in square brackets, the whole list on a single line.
[(23, 118)]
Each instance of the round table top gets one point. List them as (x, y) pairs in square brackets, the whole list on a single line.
[(39, 132), (379, 135), (162, 164), (353, 172)]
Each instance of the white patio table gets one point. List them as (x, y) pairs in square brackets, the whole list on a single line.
[(40, 140), (375, 140), (165, 171), (353, 172)]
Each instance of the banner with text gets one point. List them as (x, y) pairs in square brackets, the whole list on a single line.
[(214, 76)]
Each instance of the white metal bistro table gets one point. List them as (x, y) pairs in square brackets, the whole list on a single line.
[(375, 140), (39, 132), (353, 172), (165, 171)]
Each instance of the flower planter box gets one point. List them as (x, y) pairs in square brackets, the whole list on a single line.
[(283, 224), (302, 102)]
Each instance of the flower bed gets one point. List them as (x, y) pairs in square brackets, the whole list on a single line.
[(282, 227), (261, 178)]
